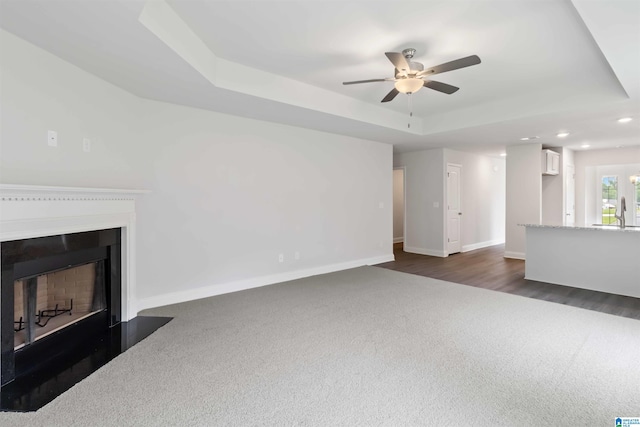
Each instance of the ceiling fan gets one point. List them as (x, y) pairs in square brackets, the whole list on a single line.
[(411, 76)]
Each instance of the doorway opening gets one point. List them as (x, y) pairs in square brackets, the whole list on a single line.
[(399, 205)]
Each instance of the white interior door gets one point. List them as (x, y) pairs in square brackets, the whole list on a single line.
[(570, 195), (453, 208)]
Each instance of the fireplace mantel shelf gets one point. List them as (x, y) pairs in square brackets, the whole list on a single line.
[(15, 192)]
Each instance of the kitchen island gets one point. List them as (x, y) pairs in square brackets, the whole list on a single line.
[(600, 258)]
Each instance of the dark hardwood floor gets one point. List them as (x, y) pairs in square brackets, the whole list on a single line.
[(487, 268)]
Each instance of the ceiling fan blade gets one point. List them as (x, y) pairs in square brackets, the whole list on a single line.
[(441, 87), (390, 95), (398, 60), (450, 66), (366, 81)]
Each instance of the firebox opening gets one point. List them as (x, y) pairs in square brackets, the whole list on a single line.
[(32, 335), (49, 302)]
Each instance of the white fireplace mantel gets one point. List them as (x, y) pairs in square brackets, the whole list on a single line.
[(28, 211), (17, 192)]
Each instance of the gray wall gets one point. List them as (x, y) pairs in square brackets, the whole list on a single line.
[(424, 182), (482, 200), (524, 195), (228, 194)]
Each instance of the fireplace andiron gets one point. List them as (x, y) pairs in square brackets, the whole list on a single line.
[(46, 315)]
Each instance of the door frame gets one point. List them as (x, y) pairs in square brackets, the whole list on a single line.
[(446, 207), (404, 205)]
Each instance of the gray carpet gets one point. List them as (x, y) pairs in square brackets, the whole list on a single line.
[(366, 346)]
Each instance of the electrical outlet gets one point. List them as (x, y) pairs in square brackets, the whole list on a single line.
[(86, 145), (380, 205), (52, 138), (281, 258), (296, 255), (436, 204)]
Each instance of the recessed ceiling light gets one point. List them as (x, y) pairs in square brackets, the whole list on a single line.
[(562, 134), (528, 138), (503, 154), (619, 146), (585, 146), (625, 120)]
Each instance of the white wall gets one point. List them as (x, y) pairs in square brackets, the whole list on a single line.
[(398, 205), (524, 195), (41, 92), (482, 198), (424, 187), (228, 194), (586, 190)]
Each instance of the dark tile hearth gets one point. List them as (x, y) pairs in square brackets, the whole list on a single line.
[(33, 390)]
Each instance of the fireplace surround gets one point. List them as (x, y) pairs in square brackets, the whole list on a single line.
[(44, 229), (27, 265)]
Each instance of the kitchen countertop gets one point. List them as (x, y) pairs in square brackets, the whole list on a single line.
[(628, 229)]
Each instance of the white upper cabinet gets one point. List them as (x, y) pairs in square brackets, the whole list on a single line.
[(550, 162)]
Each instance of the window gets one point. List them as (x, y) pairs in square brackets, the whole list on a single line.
[(609, 199)]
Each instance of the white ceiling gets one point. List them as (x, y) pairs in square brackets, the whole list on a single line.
[(547, 65)]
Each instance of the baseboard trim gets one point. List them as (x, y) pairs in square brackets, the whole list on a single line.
[(422, 251), (255, 282), (514, 255), (398, 239), (480, 245), (373, 261)]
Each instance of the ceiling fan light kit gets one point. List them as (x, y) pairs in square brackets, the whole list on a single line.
[(409, 85)]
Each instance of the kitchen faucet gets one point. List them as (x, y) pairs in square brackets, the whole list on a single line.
[(623, 208)]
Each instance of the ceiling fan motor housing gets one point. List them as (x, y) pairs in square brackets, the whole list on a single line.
[(414, 67)]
